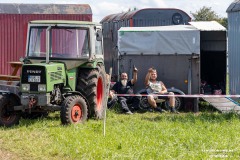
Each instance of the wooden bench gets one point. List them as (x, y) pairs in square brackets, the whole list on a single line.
[(9, 77), (15, 66), (13, 77)]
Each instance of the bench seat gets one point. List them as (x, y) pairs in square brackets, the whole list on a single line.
[(9, 77)]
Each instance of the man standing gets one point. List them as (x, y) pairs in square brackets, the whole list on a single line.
[(126, 87)]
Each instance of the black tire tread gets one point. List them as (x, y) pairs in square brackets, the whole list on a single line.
[(4, 99), (87, 85), (67, 108)]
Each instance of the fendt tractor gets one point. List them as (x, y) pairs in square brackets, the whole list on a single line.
[(63, 70)]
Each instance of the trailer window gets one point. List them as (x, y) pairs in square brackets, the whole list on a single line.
[(64, 42)]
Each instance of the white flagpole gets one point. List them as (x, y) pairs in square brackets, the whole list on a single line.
[(105, 105)]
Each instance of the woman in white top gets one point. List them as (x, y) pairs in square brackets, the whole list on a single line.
[(157, 87)]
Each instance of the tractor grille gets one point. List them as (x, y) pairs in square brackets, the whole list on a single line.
[(31, 71), (55, 76)]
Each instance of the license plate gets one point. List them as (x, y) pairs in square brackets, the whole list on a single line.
[(34, 79)]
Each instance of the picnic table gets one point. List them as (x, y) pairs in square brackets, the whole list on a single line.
[(13, 76)]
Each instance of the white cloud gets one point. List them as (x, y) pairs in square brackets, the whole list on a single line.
[(160, 4)]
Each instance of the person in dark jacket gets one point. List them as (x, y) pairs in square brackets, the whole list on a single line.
[(125, 86), (112, 98)]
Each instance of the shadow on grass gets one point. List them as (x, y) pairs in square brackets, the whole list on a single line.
[(117, 109), (31, 120), (191, 117)]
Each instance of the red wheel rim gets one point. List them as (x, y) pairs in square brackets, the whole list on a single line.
[(99, 93), (76, 113)]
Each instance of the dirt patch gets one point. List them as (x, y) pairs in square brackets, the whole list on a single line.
[(7, 155)]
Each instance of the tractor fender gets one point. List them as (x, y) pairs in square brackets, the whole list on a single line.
[(15, 96), (4, 92), (70, 93)]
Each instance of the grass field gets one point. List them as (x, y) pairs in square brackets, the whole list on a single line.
[(139, 136)]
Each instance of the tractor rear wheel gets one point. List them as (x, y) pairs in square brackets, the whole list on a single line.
[(8, 117), (74, 110), (91, 83)]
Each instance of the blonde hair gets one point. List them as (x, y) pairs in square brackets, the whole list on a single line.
[(154, 70)]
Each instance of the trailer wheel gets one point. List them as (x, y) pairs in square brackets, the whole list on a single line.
[(178, 103), (92, 84), (74, 110), (8, 117), (144, 103)]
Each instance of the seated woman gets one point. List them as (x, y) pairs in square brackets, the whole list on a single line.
[(157, 87)]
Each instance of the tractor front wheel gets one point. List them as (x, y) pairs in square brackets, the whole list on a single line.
[(8, 117), (74, 110)]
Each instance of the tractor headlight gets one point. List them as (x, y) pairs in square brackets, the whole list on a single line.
[(42, 87), (25, 87)]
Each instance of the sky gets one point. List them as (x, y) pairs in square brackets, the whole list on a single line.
[(102, 8)]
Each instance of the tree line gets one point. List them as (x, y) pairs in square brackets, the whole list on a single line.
[(207, 14)]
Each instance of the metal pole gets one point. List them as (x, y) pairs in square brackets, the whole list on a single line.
[(48, 44), (190, 77), (105, 105)]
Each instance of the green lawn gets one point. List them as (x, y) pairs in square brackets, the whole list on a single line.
[(138, 136)]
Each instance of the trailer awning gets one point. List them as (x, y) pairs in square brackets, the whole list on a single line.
[(177, 39), (208, 26), (166, 40)]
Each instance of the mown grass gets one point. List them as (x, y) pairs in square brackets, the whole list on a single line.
[(139, 136)]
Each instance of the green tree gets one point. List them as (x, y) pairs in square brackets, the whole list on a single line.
[(207, 14), (224, 22)]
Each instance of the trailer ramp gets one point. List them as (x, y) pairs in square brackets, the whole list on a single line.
[(223, 104)]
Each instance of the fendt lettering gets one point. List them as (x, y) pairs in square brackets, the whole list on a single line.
[(34, 71)]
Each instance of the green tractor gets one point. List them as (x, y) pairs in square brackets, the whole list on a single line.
[(63, 71)]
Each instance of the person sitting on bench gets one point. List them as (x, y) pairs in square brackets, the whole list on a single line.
[(125, 86), (157, 87)]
